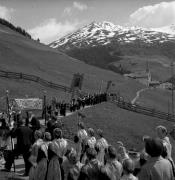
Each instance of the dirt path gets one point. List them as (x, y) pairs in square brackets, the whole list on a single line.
[(138, 95)]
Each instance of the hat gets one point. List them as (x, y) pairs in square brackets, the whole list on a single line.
[(128, 165)]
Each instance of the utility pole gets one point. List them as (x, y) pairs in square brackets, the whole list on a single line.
[(172, 89)]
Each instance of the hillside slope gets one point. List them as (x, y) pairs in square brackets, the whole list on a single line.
[(118, 125), (20, 54)]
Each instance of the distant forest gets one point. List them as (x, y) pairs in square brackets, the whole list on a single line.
[(17, 29)]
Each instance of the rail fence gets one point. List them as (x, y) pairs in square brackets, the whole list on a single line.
[(117, 100), (120, 102), (14, 75)]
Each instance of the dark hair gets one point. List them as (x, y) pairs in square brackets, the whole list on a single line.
[(38, 134), (57, 124), (154, 147), (21, 121), (91, 153), (57, 133), (81, 125), (91, 132), (112, 152), (76, 139), (4, 124), (47, 136), (100, 132), (97, 148), (54, 118), (128, 165)]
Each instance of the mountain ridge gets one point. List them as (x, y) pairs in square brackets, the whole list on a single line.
[(120, 49), (102, 33)]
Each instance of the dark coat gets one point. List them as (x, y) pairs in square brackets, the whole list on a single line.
[(24, 137)]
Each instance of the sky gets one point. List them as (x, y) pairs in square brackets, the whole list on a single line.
[(49, 20)]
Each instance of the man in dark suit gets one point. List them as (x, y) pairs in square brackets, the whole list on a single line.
[(24, 136)]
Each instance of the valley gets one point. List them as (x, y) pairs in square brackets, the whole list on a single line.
[(131, 52)]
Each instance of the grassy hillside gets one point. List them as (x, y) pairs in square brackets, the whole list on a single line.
[(118, 124), (131, 57), (157, 98), (21, 54)]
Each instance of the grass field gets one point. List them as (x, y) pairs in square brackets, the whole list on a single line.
[(118, 124), (157, 98), (158, 65)]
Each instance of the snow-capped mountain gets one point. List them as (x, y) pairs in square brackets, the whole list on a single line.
[(166, 29), (104, 33), (120, 49)]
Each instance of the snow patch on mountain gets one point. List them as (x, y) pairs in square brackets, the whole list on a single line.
[(104, 33), (166, 29)]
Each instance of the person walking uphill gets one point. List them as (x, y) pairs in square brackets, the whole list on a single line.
[(24, 137)]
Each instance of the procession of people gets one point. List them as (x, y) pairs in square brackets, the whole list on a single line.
[(88, 155), (75, 104), (48, 155)]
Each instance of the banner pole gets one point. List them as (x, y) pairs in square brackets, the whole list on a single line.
[(7, 105), (8, 114), (45, 109)]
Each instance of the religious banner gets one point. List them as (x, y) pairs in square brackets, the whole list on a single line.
[(109, 86), (29, 103), (77, 81)]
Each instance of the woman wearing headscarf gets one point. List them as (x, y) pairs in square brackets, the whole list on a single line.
[(162, 134), (128, 169), (100, 146), (91, 140), (42, 158), (113, 168), (71, 164), (88, 143), (56, 151), (6, 144), (82, 134), (122, 154), (35, 156)]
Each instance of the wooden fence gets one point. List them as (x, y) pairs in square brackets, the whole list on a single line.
[(117, 100), (14, 75), (120, 102)]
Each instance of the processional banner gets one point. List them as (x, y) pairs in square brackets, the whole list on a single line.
[(29, 103)]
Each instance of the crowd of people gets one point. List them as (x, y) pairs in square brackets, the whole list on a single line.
[(76, 104), (48, 155)]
